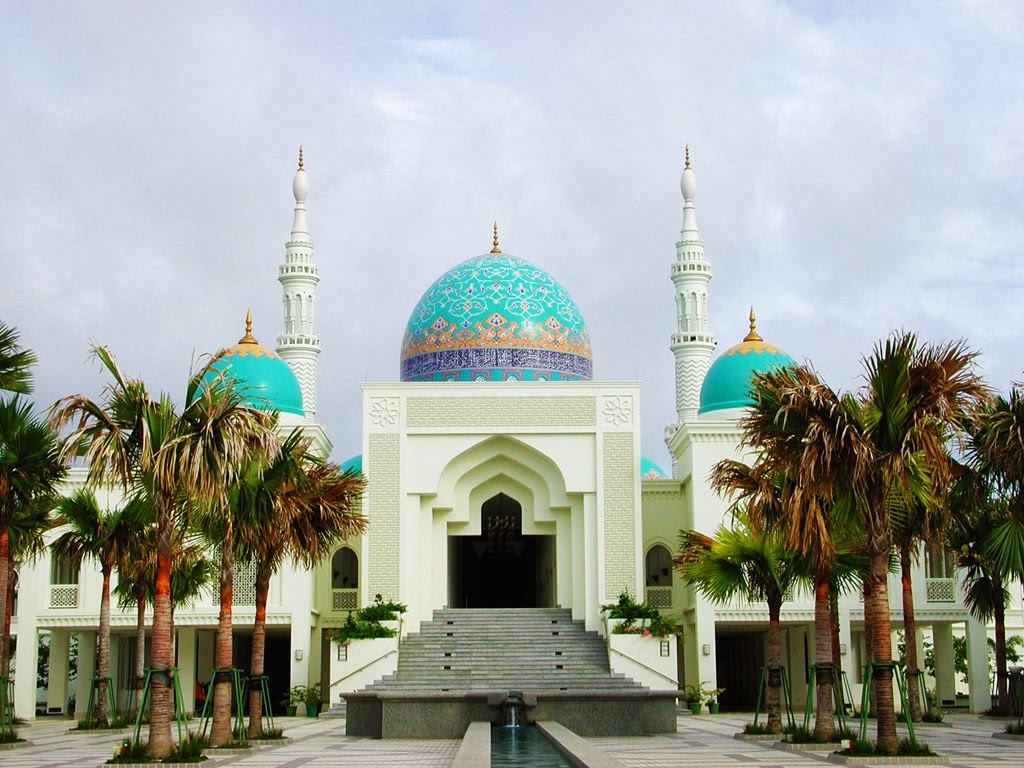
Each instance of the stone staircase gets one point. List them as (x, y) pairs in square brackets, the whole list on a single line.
[(487, 650)]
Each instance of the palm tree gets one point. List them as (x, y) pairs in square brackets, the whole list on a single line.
[(884, 449), (105, 535), (147, 446), (15, 363), (26, 541), (744, 560), (793, 426), (292, 506), (30, 468)]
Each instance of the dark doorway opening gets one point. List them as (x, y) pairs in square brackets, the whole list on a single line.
[(501, 568), (740, 658)]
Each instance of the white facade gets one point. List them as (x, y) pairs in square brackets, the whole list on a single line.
[(451, 467)]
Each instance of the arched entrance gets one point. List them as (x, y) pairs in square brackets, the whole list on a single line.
[(502, 567)]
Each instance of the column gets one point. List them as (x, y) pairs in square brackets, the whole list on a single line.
[(300, 635), (57, 683), (26, 657), (86, 672), (945, 671), (187, 667), (977, 665)]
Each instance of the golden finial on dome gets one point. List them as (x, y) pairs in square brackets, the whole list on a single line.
[(753, 335), (300, 157), (495, 249), (687, 155), (249, 338)]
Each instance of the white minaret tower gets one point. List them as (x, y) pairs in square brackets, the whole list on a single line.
[(298, 345), (692, 343)]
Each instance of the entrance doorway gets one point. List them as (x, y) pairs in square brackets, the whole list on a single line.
[(501, 568)]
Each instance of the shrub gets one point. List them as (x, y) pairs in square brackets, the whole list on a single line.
[(129, 751), (631, 612), (365, 624), (189, 750), (760, 729)]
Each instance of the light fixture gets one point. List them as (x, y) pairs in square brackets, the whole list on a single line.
[(343, 652), (298, 654), (665, 649), (842, 649), (706, 649)]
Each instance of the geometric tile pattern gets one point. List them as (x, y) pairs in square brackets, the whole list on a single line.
[(545, 410), (619, 514)]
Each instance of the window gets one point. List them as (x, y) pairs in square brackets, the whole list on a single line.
[(63, 571), (344, 569), (658, 570)]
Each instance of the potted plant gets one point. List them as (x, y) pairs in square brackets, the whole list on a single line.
[(693, 695), (711, 697), (291, 700), (313, 699)]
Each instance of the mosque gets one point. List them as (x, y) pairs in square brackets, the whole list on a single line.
[(495, 428)]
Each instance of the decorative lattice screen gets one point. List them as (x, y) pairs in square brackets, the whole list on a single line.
[(940, 590), (244, 585), (63, 595), (344, 599), (659, 597)]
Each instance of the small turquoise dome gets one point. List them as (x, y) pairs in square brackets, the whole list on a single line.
[(651, 471), (496, 317), (728, 380), (355, 464), (268, 381)]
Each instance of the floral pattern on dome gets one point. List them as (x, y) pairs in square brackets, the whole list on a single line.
[(507, 319)]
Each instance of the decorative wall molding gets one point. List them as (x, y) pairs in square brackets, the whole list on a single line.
[(501, 411)]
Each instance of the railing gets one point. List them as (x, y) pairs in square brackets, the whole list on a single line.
[(662, 675), (344, 599), (63, 595), (658, 597), (939, 591), (367, 665)]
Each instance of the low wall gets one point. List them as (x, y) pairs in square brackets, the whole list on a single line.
[(387, 715)]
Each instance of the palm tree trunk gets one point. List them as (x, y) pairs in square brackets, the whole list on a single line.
[(877, 619), (140, 645), (259, 633), (824, 721), (5, 652), (101, 712), (773, 694), (837, 659), (910, 634), (161, 695), (869, 645), (4, 579), (220, 730), (1002, 676)]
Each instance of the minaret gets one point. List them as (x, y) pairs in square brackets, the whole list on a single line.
[(692, 343), (299, 346)]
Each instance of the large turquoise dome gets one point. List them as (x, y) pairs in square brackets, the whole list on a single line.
[(268, 381), (728, 380), (496, 317)]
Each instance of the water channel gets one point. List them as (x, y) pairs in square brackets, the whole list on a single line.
[(524, 746)]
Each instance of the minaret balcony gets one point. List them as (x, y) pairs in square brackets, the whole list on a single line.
[(678, 339)]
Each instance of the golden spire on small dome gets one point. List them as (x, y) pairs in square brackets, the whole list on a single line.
[(300, 157), (495, 249), (687, 155), (249, 338), (753, 335)]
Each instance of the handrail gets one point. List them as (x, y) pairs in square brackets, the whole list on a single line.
[(675, 683), (365, 666)]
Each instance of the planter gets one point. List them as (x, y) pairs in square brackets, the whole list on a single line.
[(312, 710), (713, 707), (694, 707), (291, 709)]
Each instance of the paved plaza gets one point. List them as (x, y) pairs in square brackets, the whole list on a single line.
[(700, 742)]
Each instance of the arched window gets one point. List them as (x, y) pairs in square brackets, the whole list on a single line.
[(658, 577), (658, 571), (345, 569)]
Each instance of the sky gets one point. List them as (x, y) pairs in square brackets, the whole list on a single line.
[(858, 169)]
